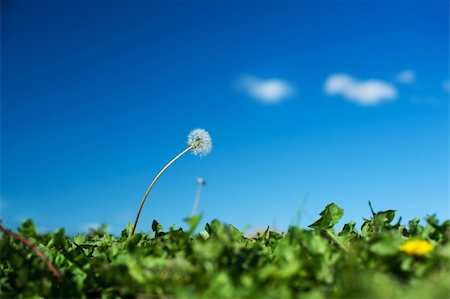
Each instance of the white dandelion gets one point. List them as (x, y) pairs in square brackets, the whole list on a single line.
[(199, 142)]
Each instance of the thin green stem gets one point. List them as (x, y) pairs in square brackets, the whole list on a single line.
[(336, 240), (154, 181)]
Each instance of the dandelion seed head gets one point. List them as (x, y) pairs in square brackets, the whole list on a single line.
[(201, 142)]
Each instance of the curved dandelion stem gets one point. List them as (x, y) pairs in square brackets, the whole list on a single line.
[(154, 181)]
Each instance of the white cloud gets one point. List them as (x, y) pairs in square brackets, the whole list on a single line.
[(267, 91), (446, 85), (369, 92), (406, 77)]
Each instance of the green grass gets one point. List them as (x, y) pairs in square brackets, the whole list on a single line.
[(220, 262)]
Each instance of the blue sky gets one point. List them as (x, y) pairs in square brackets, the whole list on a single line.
[(307, 103)]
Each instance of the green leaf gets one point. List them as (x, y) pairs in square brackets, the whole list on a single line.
[(156, 227), (127, 231), (28, 229), (366, 229), (204, 234), (316, 244), (387, 244), (383, 218), (349, 231), (58, 239), (330, 216), (413, 226)]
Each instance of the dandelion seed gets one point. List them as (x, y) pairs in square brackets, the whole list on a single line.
[(199, 142), (417, 247)]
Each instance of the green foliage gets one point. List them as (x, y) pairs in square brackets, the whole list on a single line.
[(221, 262), (330, 216)]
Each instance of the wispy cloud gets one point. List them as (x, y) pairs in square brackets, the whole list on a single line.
[(267, 91), (368, 92), (406, 77)]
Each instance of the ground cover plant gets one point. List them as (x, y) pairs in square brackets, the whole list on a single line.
[(382, 259)]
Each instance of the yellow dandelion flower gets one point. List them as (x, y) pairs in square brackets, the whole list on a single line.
[(417, 247)]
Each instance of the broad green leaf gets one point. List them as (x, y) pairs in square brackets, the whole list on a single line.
[(316, 244), (330, 216), (386, 244), (383, 218)]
